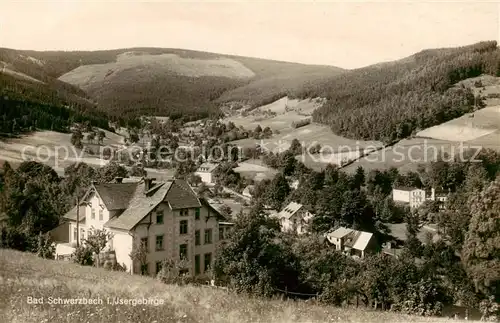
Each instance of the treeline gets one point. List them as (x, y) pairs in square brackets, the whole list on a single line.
[(391, 101), (461, 267), (26, 106)]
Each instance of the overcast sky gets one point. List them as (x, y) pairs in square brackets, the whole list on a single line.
[(344, 34)]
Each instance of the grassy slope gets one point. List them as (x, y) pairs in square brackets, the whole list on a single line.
[(163, 87), (23, 275)]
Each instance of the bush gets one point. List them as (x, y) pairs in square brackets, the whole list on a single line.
[(83, 256)]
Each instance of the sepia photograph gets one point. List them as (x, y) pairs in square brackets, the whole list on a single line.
[(304, 161)]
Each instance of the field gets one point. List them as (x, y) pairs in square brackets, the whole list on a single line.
[(406, 155), (288, 111), (24, 275), (54, 149), (255, 169)]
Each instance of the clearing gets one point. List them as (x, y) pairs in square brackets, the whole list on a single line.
[(23, 275), (54, 149)]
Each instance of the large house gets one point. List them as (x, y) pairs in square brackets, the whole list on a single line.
[(294, 217), (206, 172), (166, 217), (415, 197), (352, 242)]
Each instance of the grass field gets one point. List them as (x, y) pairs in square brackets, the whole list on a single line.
[(24, 275), (53, 148)]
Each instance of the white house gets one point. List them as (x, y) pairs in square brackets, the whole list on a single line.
[(166, 217), (352, 242), (415, 197), (294, 217), (206, 172)]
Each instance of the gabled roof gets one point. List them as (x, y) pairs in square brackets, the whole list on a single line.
[(181, 196), (352, 238), (139, 206), (116, 196), (207, 167), (362, 240), (339, 233), (71, 214), (290, 210)]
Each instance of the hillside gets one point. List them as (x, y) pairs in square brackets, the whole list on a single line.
[(391, 101), (23, 275), (165, 82)]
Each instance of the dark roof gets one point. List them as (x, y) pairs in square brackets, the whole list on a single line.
[(116, 196), (219, 216), (139, 206), (71, 214), (181, 196)]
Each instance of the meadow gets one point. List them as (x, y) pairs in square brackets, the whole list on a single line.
[(24, 275)]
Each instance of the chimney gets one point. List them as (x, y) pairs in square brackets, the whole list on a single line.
[(118, 179), (148, 183)]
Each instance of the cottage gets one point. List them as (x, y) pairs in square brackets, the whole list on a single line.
[(294, 217), (206, 172), (352, 242), (167, 218)]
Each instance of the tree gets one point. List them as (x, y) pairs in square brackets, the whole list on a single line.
[(226, 211), (91, 137), (46, 248), (109, 172), (481, 251), (100, 136), (295, 147), (412, 243), (140, 254), (359, 178), (76, 139), (277, 192), (97, 240), (194, 180)]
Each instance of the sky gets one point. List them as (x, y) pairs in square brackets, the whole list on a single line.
[(345, 34)]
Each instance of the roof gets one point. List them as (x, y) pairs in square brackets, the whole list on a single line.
[(405, 188), (339, 233), (354, 239), (290, 210), (71, 214), (181, 196), (362, 240), (207, 167), (139, 206), (248, 190), (116, 196)]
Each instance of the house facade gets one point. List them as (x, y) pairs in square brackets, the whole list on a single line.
[(415, 197), (206, 172), (167, 218), (294, 217), (352, 242)]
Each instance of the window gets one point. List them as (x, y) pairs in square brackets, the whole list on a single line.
[(82, 234), (159, 217), (208, 236), (145, 244), (221, 233), (183, 212), (159, 242), (197, 238), (183, 227), (100, 215), (208, 261), (92, 214), (197, 265), (75, 234), (158, 267), (197, 213), (183, 251)]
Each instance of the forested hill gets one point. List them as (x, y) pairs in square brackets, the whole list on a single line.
[(390, 101), (170, 82)]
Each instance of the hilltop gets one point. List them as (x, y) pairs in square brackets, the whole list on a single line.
[(23, 275), (162, 81)]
